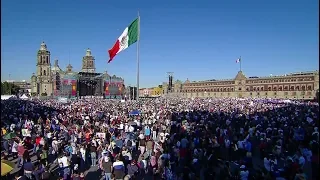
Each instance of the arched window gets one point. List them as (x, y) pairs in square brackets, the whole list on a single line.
[(247, 89), (303, 88), (297, 88), (261, 89), (254, 89), (280, 88), (44, 72), (258, 88), (292, 88), (274, 88), (47, 59), (309, 88), (269, 88)]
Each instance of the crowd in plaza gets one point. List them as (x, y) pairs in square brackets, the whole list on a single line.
[(163, 138)]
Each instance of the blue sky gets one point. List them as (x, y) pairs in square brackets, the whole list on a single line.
[(198, 40)]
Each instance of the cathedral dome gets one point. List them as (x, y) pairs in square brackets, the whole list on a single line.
[(33, 77), (43, 46), (88, 52)]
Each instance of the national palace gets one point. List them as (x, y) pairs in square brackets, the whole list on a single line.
[(302, 85)]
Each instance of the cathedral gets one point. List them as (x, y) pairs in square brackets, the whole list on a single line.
[(53, 81)]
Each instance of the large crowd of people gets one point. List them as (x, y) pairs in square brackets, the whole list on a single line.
[(163, 138)]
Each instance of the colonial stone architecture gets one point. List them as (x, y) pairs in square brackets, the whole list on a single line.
[(42, 81), (52, 80), (303, 85)]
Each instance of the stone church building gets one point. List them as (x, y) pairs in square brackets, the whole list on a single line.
[(46, 81)]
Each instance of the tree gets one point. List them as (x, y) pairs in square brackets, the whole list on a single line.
[(9, 88)]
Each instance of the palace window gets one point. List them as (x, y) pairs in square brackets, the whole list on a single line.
[(231, 89), (309, 88), (254, 89), (247, 88), (286, 88), (297, 88), (258, 88), (239, 88), (303, 88), (258, 94), (280, 88), (275, 93), (228, 89), (261, 89), (269, 88), (292, 88), (274, 88)]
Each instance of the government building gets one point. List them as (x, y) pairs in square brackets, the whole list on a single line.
[(53, 81), (302, 85)]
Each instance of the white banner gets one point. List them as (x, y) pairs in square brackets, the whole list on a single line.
[(26, 133)]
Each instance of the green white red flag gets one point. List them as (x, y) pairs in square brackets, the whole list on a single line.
[(128, 37)]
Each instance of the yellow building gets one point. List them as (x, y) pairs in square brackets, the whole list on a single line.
[(156, 91)]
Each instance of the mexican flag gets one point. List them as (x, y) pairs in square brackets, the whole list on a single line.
[(129, 36)]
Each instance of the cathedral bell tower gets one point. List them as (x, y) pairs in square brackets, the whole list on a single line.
[(88, 64), (44, 80)]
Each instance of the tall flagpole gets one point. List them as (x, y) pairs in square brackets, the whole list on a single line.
[(138, 61), (240, 62)]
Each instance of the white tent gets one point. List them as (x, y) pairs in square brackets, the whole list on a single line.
[(4, 97), (24, 97)]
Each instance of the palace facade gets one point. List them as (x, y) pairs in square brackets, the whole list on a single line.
[(302, 85)]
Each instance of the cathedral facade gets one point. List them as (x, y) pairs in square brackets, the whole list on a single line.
[(53, 81)]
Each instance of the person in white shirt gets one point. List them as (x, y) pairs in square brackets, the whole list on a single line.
[(121, 127), (244, 173), (55, 145), (131, 129), (301, 160), (63, 161), (269, 163)]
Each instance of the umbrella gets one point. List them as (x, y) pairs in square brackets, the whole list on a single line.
[(10, 135), (6, 167), (135, 112)]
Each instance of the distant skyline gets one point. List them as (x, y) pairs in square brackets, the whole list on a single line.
[(197, 40)]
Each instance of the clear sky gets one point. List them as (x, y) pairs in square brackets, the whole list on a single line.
[(195, 39)]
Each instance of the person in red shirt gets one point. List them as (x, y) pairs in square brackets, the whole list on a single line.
[(21, 151)]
